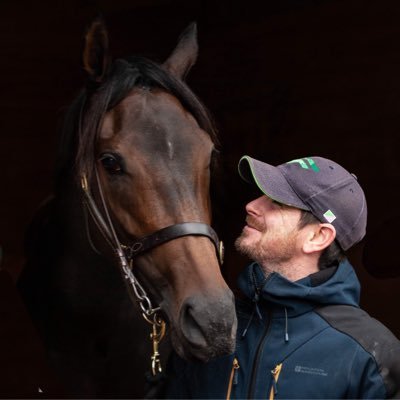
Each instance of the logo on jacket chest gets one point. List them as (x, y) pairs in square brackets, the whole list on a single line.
[(301, 369)]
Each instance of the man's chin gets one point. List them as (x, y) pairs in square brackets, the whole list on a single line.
[(244, 246)]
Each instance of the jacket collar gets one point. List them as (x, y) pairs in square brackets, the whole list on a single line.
[(336, 285)]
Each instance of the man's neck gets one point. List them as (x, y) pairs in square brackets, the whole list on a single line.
[(292, 270)]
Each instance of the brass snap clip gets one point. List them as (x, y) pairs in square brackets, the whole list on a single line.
[(158, 325)]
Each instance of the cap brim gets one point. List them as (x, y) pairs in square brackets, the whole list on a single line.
[(270, 181)]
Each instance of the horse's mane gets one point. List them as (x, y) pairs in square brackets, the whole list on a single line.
[(83, 118)]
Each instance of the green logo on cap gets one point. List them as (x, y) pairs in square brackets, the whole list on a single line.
[(306, 165), (330, 216)]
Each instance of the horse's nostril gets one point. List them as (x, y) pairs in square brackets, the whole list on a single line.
[(191, 329)]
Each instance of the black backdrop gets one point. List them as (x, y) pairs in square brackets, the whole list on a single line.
[(284, 80)]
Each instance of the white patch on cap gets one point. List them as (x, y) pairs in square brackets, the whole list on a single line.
[(330, 216)]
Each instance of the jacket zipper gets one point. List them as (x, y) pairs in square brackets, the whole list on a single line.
[(257, 360), (275, 376), (233, 377)]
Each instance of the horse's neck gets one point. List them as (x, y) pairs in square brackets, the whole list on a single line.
[(59, 245), (89, 304), (84, 248)]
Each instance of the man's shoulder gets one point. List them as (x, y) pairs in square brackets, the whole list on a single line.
[(374, 337), (357, 323)]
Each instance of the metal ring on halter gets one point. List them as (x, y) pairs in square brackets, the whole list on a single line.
[(221, 252), (148, 311), (142, 297), (136, 247), (156, 320)]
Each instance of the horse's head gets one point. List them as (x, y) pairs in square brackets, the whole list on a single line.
[(148, 143)]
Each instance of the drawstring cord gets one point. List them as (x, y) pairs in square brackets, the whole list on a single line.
[(255, 300), (256, 309), (286, 327)]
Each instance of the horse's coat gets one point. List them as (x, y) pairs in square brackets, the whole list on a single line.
[(150, 141)]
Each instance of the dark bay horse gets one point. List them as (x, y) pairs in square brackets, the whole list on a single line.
[(134, 159)]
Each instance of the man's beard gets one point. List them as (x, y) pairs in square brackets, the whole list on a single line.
[(269, 250), (253, 250)]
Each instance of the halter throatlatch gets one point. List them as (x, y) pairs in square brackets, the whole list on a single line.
[(126, 254)]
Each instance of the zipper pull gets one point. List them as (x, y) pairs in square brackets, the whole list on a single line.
[(236, 367), (233, 380), (275, 376)]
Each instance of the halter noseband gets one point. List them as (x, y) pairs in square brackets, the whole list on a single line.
[(155, 239), (173, 232)]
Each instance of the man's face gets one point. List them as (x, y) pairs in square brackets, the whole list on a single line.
[(270, 235)]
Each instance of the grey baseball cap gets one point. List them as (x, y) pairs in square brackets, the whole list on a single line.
[(315, 184)]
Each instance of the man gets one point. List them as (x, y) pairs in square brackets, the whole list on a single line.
[(301, 332)]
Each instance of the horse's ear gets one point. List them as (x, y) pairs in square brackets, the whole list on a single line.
[(96, 57), (185, 54)]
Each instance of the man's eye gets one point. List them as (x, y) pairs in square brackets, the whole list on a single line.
[(277, 203), (111, 163)]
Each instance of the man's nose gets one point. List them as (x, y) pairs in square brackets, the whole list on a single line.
[(253, 207)]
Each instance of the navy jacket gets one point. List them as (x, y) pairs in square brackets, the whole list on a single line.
[(305, 340)]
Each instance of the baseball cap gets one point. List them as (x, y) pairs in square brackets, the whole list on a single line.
[(315, 184)]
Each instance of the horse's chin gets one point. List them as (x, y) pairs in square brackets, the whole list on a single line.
[(205, 352), (190, 353)]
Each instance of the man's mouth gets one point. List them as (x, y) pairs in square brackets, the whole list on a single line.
[(251, 225)]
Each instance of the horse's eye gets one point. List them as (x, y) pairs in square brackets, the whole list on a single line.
[(111, 163)]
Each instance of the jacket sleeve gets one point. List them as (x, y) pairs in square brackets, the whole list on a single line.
[(376, 373), (389, 367), (377, 359)]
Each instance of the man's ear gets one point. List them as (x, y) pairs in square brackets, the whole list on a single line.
[(318, 237)]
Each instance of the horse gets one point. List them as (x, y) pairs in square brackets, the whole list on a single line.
[(125, 242)]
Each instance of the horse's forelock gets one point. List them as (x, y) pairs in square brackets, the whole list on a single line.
[(83, 120)]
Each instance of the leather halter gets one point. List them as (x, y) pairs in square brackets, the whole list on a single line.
[(127, 253), (173, 232), (155, 239)]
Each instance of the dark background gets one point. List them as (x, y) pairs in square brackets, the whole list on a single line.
[(284, 80)]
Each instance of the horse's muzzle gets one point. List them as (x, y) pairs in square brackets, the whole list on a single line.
[(208, 326)]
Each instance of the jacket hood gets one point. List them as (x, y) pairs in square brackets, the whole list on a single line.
[(335, 285)]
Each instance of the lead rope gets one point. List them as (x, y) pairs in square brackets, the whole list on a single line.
[(149, 313)]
